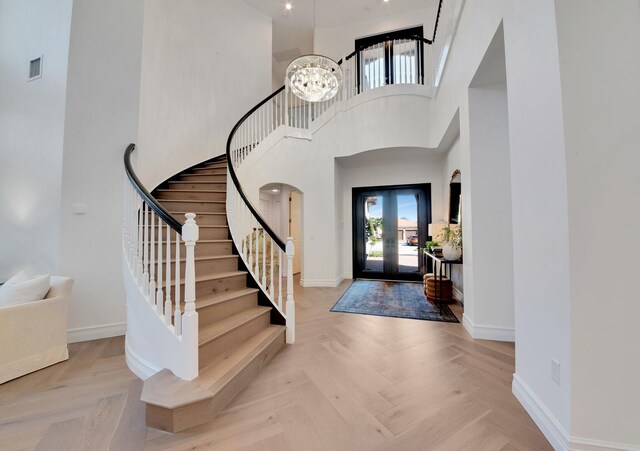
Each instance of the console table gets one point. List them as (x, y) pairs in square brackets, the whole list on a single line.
[(441, 267)]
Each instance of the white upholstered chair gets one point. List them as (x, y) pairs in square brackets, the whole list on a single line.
[(33, 335)]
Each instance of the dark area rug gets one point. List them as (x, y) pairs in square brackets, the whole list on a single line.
[(395, 299)]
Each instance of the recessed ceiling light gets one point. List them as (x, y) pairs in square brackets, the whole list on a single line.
[(386, 1), (288, 5), (275, 190)]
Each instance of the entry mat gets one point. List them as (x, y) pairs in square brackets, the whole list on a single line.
[(394, 299)]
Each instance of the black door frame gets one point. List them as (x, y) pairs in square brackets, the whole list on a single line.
[(358, 244)]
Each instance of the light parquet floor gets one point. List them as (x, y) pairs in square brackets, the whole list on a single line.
[(351, 382)]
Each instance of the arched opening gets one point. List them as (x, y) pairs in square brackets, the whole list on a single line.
[(281, 205)]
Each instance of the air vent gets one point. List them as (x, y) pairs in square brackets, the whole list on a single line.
[(35, 68)]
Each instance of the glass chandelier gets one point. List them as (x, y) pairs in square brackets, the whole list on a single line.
[(314, 78)]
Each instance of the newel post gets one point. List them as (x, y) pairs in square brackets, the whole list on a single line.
[(190, 233), (291, 305)]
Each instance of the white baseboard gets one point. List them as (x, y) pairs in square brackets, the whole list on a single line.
[(139, 366), (587, 444), (321, 282), (488, 332), (96, 332), (546, 421)]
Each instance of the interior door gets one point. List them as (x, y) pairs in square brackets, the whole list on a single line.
[(390, 226), (295, 227)]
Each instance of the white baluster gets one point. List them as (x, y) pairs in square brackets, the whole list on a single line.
[(145, 273), (190, 235), (285, 112), (132, 229), (271, 275), (139, 229), (176, 314), (152, 261), (159, 292), (250, 260), (167, 290), (291, 305), (280, 279), (256, 252), (264, 259)]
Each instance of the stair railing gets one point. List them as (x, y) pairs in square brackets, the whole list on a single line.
[(263, 252), (153, 241)]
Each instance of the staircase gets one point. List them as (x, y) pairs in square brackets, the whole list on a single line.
[(236, 337)]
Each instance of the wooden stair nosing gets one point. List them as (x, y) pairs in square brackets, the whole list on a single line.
[(226, 325), (218, 275), (166, 390), (199, 191), (208, 301), (194, 201)]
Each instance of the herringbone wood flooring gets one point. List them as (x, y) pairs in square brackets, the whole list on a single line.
[(351, 382)]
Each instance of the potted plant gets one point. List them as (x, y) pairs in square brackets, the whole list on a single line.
[(430, 246), (453, 237)]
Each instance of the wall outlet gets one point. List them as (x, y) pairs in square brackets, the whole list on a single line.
[(555, 370)]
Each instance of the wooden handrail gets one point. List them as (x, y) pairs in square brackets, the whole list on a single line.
[(281, 244), (148, 198)]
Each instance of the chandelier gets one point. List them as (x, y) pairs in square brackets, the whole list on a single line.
[(314, 78)]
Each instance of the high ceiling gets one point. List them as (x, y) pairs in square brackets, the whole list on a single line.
[(293, 29)]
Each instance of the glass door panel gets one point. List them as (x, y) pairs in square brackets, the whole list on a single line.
[(372, 67), (373, 233), (407, 226), (405, 61)]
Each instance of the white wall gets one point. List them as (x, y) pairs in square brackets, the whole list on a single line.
[(204, 65), (101, 119), (31, 133), (539, 191), (394, 166), (367, 123), (491, 239), (600, 94)]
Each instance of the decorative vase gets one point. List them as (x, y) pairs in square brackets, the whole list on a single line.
[(449, 252)]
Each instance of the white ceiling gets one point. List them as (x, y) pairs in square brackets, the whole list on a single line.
[(293, 29)]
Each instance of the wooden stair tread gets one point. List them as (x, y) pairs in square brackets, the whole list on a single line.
[(208, 257), (198, 213), (194, 200), (219, 328), (223, 369), (217, 275), (206, 301), (202, 182), (164, 389), (206, 191)]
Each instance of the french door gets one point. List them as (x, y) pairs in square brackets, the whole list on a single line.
[(389, 228)]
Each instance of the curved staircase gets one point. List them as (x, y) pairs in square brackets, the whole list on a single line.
[(236, 336)]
